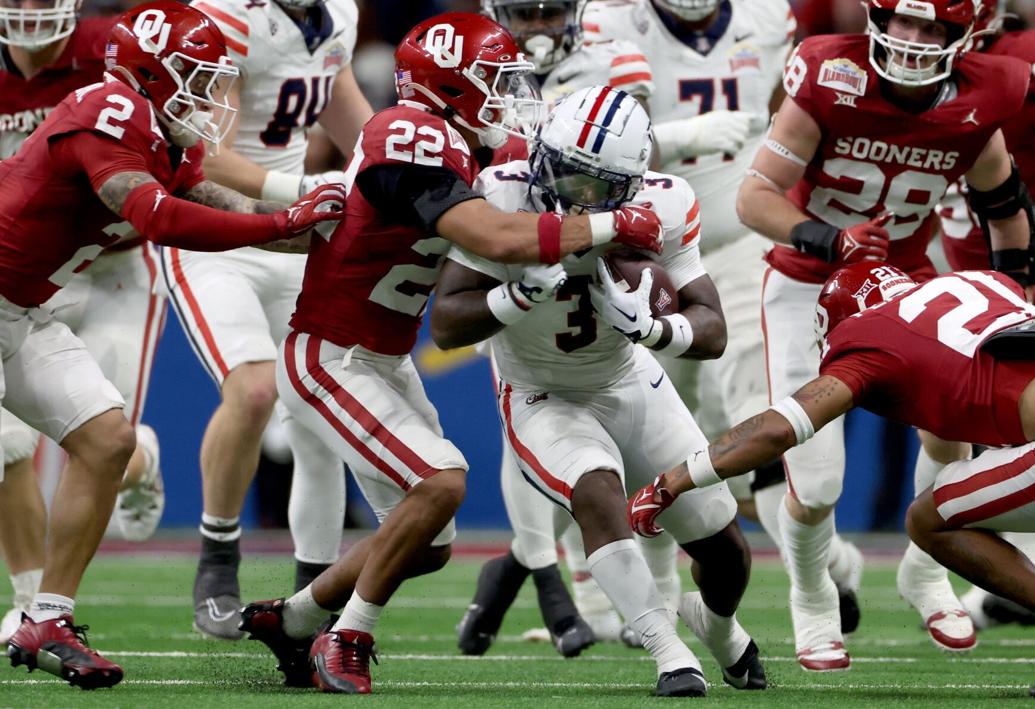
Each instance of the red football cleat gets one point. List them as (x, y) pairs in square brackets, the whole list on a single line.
[(829, 657), (340, 661), (59, 647), (265, 621)]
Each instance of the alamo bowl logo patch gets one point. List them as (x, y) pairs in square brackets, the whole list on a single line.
[(843, 75), (334, 58), (745, 58)]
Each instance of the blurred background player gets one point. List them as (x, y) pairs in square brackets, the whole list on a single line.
[(294, 57), (115, 308), (853, 107)]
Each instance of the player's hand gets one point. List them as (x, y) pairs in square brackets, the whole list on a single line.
[(311, 182), (638, 227), (716, 132), (864, 242), (629, 313), (538, 283), (324, 204), (644, 507)]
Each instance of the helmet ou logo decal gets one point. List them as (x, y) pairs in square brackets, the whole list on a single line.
[(152, 30), (444, 45)]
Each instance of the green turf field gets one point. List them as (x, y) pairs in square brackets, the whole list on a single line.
[(140, 615)]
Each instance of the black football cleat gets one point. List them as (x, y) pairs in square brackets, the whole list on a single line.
[(340, 661), (498, 584), (217, 593), (1003, 612), (748, 672), (264, 620), (686, 682), (59, 647), (574, 639), (848, 605)]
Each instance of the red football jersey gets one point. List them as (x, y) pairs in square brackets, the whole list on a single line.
[(52, 224), (917, 358), (874, 156), (25, 103), (369, 283), (972, 251)]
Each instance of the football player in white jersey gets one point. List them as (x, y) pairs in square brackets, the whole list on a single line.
[(585, 411), (295, 62), (723, 59)]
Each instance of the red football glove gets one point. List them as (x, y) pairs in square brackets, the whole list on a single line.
[(644, 507), (324, 204), (866, 241), (638, 227)]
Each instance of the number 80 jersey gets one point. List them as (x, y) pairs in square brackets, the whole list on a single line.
[(369, 283), (874, 156)]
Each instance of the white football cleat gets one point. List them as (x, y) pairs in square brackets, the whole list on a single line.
[(951, 630), (9, 625), (139, 508), (924, 584), (818, 641)]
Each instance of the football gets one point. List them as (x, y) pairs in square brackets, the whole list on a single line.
[(626, 265)]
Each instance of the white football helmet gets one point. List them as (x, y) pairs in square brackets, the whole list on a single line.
[(548, 30), (690, 10), (591, 153), (33, 28)]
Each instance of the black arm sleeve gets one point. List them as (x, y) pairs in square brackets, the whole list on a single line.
[(416, 195)]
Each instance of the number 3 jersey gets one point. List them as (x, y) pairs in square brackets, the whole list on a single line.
[(917, 358), (286, 73), (561, 343), (368, 284), (874, 156)]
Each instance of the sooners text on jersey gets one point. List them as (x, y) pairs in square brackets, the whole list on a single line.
[(874, 156), (918, 358)]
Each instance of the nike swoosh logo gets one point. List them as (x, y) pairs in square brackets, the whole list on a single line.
[(630, 318), (742, 37), (215, 614), (658, 383)]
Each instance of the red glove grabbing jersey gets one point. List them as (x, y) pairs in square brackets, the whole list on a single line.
[(325, 203), (644, 507), (638, 227), (866, 241)]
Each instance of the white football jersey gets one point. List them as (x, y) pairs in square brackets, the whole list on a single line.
[(620, 65), (284, 85), (735, 66), (561, 343)]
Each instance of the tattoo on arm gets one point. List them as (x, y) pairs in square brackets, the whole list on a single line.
[(735, 437), (223, 198), (819, 390), (117, 187)]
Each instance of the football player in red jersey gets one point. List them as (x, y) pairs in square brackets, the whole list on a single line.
[(873, 130), (919, 354), (111, 151), (345, 370)]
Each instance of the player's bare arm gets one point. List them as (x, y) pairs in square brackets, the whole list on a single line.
[(226, 199), (461, 315), (346, 112), (701, 306), (779, 164)]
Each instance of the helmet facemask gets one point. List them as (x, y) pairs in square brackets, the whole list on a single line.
[(576, 186), (548, 30), (689, 10), (33, 29), (909, 63), (200, 107)]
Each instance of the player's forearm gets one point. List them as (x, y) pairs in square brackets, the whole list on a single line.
[(765, 210), (461, 319), (226, 199), (1013, 232), (235, 171), (709, 332), (346, 112), (295, 245), (508, 238)]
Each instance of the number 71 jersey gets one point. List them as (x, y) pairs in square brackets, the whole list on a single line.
[(874, 156), (369, 283)]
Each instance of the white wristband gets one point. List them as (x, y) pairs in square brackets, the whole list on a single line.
[(791, 410), (503, 306), (281, 187), (602, 227), (702, 472), (682, 335)]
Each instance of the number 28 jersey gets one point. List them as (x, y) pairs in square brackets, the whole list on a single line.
[(369, 283), (873, 156), (917, 358)]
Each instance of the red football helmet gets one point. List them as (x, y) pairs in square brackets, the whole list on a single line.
[(33, 27), (988, 21), (855, 288), (176, 57), (470, 69), (911, 63)]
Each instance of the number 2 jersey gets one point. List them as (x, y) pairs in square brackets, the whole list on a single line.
[(286, 73), (369, 283), (561, 344), (873, 156), (918, 358), (52, 223)]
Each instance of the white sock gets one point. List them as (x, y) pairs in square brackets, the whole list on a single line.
[(302, 615), (574, 552), (1025, 541), (660, 553), (807, 551), (925, 583), (316, 508), (723, 636), (48, 606), (220, 529), (768, 502), (359, 615), (622, 573), (839, 563), (26, 585)]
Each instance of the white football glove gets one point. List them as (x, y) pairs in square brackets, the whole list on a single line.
[(539, 283), (629, 313), (311, 182), (712, 132)]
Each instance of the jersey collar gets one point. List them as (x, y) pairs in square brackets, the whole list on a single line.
[(316, 26), (701, 42)]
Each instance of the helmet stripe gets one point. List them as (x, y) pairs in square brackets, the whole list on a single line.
[(584, 135), (608, 117)]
